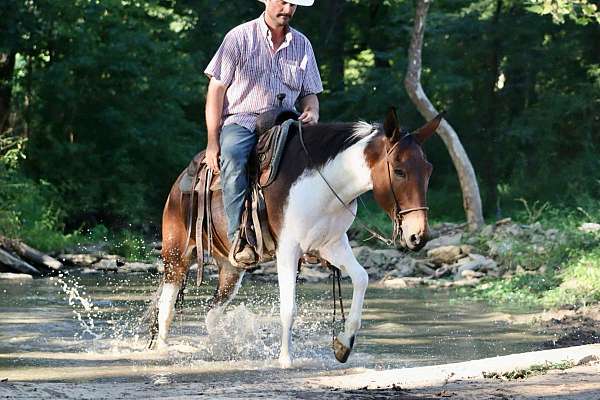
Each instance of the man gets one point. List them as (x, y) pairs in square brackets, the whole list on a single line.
[(256, 61)]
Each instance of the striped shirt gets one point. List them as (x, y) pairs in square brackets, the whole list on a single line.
[(254, 74)]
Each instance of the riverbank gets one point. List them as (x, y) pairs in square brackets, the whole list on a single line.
[(572, 373)]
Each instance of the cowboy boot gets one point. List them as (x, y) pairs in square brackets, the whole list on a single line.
[(241, 254)]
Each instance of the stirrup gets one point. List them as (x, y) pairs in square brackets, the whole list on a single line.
[(236, 247)]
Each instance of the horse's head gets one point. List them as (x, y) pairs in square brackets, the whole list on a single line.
[(400, 175)]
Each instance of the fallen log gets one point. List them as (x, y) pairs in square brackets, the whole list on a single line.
[(30, 254), (17, 264)]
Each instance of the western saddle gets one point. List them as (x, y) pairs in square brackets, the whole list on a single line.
[(273, 129)]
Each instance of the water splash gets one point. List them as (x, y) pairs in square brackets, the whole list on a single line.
[(84, 310)]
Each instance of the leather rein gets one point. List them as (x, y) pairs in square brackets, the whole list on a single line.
[(398, 212)]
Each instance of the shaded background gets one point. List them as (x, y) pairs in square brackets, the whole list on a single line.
[(102, 102)]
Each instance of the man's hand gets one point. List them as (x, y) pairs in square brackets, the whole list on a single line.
[(212, 156), (309, 117), (310, 109)]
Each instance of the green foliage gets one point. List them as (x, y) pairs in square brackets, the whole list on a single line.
[(28, 209), (131, 245), (580, 11), (567, 272), (534, 370), (110, 94)]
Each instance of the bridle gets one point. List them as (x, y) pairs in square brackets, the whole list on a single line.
[(398, 211)]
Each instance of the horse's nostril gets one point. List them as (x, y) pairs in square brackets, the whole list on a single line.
[(415, 239)]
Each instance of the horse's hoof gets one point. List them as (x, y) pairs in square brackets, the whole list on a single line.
[(341, 351)]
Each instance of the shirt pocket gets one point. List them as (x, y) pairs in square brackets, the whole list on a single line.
[(292, 75)]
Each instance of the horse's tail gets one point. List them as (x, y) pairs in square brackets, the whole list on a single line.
[(150, 317)]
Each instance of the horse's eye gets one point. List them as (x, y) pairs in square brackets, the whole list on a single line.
[(400, 173)]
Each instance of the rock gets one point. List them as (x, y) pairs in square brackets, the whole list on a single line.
[(444, 254), (12, 276), (589, 227), (79, 260), (472, 274), (504, 221), (501, 248), (443, 270), (137, 267), (403, 283), (106, 265), (487, 230), (314, 274), (406, 267), (381, 260), (475, 262), (467, 249), (362, 253), (425, 268), (446, 240), (553, 233), (464, 282)]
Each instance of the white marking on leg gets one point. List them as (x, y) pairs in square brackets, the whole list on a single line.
[(166, 310), (340, 255), (288, 255)]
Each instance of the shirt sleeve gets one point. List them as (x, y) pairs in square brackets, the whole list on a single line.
[(223, 64), (312, 79)]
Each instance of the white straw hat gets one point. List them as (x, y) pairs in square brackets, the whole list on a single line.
[(298, 2)]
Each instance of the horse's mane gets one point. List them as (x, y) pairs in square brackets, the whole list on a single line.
[(325, 141)]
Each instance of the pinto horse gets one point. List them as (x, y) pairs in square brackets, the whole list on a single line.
[(324, 166)]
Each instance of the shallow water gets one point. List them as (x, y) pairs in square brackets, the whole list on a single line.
[(80, 328)]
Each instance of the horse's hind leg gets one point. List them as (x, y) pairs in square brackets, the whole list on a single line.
[(230, 280), (177, 260)]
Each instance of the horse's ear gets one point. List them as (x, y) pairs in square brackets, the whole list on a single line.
[(391, 127), (425, 132)]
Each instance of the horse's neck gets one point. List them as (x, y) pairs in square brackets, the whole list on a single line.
[(348, 173)]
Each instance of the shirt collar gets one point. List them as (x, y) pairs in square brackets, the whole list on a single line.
[(266, 32)]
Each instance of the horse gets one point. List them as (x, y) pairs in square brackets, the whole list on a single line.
[(310, 206)]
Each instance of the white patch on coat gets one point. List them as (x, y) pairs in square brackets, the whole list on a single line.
[(313, 216)]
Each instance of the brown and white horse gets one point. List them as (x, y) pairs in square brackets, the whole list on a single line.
[(305, 215)]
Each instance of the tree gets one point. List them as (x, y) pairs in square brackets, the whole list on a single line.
[(581, 11), (412, 82)]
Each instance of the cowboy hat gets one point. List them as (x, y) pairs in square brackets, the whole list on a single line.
[(298, 2)]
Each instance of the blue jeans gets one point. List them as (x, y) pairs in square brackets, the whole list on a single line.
[(236, 144)]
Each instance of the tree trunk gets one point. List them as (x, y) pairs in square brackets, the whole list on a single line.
[(7, 66), (333, 46), (412, 82), (489, 134), (17, 264)]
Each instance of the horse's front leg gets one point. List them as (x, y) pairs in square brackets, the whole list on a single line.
[(288, 255), (340, 255)]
